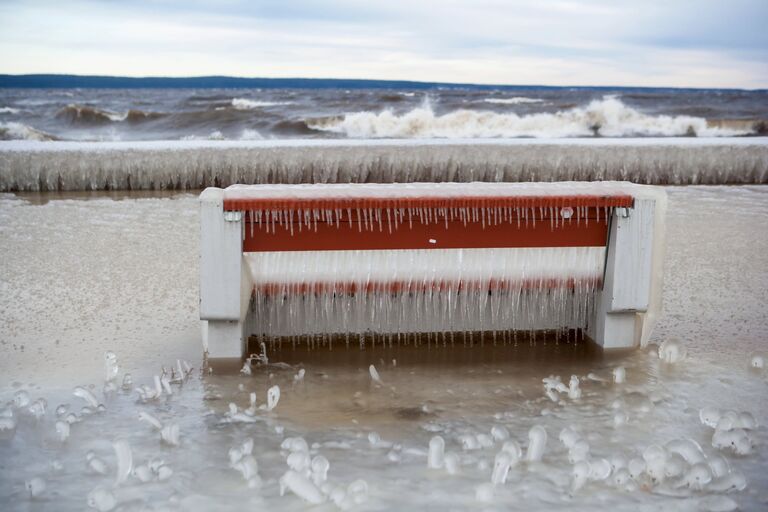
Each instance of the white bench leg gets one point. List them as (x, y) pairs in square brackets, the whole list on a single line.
[(613, 330), (225, 339), (627, 280), (225, 283)]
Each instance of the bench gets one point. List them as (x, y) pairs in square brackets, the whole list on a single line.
[(261, 246)]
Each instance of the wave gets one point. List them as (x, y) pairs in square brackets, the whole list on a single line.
[(608, 117), (19, 131), (392, 98), (8, 110), (294, 127), (246, 134), (138, 116), (214, 135), (246, 104), (88, 116), (84, 115), (517, 100)]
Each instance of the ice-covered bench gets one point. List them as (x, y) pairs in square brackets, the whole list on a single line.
[(271, 253)]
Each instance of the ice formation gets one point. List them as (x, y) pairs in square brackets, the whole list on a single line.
[(169, 432), (7, 424), (374, 374), (124, 457), (21, 399), (242, 460), (62, 430), (619, 375), (86, 395), (452, 463), (35, 487), (672, 351), (436, 457), (676, 468), (102, 500), (574, 390), (193, 165), (537, 442), (95, 464), (110, 366), (273, 397), (308, 479)]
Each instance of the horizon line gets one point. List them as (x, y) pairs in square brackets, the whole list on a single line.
[(44, 81)]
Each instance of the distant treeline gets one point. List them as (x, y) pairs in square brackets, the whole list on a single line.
[(229, 82)]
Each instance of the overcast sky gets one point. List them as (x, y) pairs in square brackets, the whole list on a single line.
[(685, 43)]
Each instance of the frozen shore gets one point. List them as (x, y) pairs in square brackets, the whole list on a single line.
[(182, 165)]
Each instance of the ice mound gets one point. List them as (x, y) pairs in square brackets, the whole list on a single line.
[(672, 351)]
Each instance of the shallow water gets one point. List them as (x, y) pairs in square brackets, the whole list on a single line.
[(88, 273)]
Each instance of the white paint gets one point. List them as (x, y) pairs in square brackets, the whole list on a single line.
[(630, 301)]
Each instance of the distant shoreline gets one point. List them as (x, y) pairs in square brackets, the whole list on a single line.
[(55, 81)]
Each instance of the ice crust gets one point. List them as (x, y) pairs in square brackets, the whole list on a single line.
[(33, 166)]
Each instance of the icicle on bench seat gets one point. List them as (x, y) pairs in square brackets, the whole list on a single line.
[(290, 260)]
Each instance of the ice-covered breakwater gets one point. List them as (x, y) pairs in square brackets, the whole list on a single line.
[(72, 166)]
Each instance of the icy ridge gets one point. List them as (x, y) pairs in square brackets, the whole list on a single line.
[(42, 166)]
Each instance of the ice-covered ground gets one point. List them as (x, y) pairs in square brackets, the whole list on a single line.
[(118, 273)]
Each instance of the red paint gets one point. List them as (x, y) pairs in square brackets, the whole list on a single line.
[(457, 235), (600, 201)]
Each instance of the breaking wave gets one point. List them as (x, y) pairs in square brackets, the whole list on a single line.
[(8, 110), (246, 104), (517, 100), (84, 115), (246, 134), (608, 117), (19, 131)]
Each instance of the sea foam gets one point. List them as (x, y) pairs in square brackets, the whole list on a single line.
[(608, 117)]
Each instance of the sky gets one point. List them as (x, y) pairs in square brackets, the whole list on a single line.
[(658, 43)]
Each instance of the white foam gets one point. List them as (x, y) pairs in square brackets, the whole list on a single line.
[(249, 134), (20, 131), (608, 117), (214, 135), (517, 100), (246, 104)]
